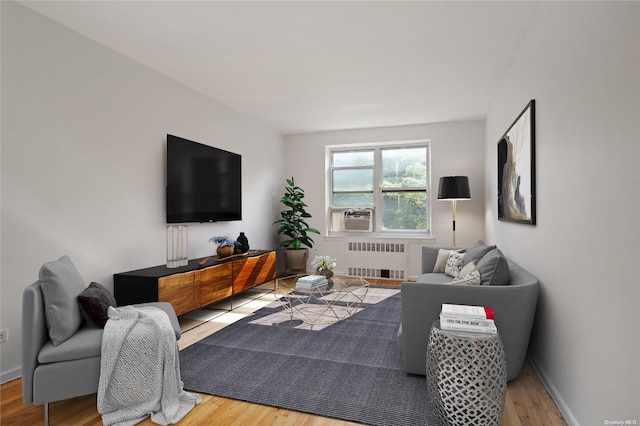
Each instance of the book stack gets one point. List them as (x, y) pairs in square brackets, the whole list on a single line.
[(312, 282), (476, 319)]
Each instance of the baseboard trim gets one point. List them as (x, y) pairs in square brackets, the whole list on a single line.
[(7, 376), (553, 391)]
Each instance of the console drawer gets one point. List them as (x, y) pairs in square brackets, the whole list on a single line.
[(180, 291), (215, 283)]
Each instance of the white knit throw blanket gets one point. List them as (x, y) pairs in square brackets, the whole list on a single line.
[(140, 371)]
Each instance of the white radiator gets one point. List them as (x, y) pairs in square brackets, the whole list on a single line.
[(377, 259)]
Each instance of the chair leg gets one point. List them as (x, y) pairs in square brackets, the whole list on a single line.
[(46, 414)]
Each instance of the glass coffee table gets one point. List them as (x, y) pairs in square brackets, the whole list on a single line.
[(339, 298)]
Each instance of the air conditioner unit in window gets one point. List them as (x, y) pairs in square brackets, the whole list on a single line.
[(357, 220)]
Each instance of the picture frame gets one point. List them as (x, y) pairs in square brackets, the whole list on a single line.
[(516, 169)]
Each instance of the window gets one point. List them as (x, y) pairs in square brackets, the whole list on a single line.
[(389, 180)]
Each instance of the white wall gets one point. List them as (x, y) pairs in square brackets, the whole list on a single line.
[(83, 161), (456, 149), (580, 61)]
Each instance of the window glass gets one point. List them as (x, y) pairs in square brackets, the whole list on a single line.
[(390, 179), (353, 200), (353, 158), (404, 167), (404, 210), (352, 180)]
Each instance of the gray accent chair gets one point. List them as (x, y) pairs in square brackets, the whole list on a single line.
[(514, 306), (53, 373)]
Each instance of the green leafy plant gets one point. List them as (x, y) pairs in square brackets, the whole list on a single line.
[(293, 222)]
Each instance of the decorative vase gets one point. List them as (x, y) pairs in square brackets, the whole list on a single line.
[(243, 243), (224, 251), (326, 272)]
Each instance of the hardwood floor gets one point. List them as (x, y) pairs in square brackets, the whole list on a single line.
[(527, 401)]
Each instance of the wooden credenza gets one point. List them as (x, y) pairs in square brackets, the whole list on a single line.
[(196, 285)]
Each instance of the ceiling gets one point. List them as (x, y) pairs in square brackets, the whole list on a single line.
[(307, 66)]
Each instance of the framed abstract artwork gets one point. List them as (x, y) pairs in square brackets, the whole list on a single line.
[(516, 169)]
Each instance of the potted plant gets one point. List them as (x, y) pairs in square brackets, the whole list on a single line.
[(323, 265), (226, 246), (293, 224)]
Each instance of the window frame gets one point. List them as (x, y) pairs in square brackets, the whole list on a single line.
[(378, 190)]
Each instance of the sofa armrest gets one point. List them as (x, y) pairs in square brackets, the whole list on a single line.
[(514, 308), (34, 335)]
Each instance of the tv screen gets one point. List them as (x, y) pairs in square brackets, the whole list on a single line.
[(203, 183)]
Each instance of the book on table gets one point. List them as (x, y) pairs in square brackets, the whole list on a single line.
[(312, 279), (312, 282), (474, 326), (307, 287), (477, 319), (467, 311)]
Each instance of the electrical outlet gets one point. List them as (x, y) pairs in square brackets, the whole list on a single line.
[(4, 335)]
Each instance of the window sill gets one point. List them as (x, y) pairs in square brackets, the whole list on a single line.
[(377, 236)]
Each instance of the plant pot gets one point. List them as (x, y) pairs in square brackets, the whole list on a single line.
[(295, 260), (225, 251), (326, 272)]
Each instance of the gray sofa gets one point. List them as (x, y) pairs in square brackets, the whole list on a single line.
[(53, 372), (514, 306)]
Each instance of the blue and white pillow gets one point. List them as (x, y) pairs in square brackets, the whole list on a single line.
[(454, 264), (472, 278)]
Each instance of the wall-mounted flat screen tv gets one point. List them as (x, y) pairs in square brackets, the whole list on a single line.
[(204, 184)]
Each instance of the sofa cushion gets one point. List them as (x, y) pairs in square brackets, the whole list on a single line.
[(454, 263), (494, 269), (433, 278), (467, 269), (85, 343), (61, 284), (441, 261), (94, 302), (472, 278), (476, 252)]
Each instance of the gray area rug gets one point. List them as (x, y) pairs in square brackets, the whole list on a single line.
[(351, 370)]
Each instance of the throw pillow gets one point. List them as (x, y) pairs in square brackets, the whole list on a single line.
[(494, 269), (441, 260), (472, 278), (466, 269), (477, 252), (454, 264), (94, 302), (61, 283)]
